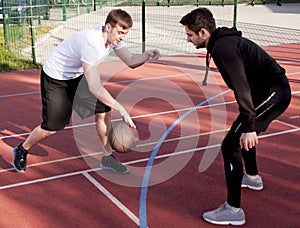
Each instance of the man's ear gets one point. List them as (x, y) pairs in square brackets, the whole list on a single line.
[(108, 27), (203, 33)]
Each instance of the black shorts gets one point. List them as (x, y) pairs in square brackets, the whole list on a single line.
[(60, 97)]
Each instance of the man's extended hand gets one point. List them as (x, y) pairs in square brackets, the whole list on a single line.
[(154, 54)]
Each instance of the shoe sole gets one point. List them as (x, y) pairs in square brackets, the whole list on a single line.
[(18, 170), (234, 223), (113, 170), (252, 187)]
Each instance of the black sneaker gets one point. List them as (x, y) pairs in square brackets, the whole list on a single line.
[(20, 158), (112, 164)]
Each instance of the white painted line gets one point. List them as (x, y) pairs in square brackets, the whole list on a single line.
[(101, 152), (133, 162), (57, 160), (287, 124), (113, 199), (19, 94), (183, 137), (43, 179), (119, 119), (279, 133), (142, 79), (134, 117), (294, 73), (111, 83), (289, 61), (15, 135)]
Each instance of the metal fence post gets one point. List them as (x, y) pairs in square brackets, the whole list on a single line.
[(64, 10), (4, 21), (31, 26), (88, 6), (143, 26), (38, 5), (235, 13)]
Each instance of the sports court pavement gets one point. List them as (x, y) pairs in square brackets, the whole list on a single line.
[(59, 188), (51, 194)]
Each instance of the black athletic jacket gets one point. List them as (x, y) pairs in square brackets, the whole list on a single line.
[(246, 69)]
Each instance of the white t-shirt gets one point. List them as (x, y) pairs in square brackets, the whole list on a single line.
[(65, 61)]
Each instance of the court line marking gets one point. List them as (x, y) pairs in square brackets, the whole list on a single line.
[(147, 172), (19, 94), (134, 80), (113, 83), (294, 73), (3, 187), (113, 199), (140, 145), (119, 119), (287, 124), (279, 133), (133, 117), (101, 152), (289, 61), (93, 123), (56, 161), (100, 187), (146, 177)]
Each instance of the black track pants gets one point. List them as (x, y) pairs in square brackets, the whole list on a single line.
[(267, 110)]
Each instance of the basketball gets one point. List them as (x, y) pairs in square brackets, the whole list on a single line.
[(123, 138)]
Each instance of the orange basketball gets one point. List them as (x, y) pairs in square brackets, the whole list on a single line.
[(123, 138)]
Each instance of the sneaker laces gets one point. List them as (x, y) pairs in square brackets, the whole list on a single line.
[(222, 206), (23, 155)]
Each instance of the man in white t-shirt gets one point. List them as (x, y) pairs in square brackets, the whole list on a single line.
[(72, 66)]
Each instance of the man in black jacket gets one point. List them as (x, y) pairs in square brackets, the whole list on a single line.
[(262, 92)]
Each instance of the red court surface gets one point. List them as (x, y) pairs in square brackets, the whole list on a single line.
[(63, 186)]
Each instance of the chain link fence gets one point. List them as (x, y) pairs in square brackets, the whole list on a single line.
[(32, 28)]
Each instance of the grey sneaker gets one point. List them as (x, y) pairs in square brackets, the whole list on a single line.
[(112, 164), (225, 215), (255, 184)]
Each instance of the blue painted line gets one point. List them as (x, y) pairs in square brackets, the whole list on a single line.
[(144, 188)]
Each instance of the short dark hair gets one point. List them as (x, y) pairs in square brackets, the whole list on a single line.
[(199, 18), (120, 17)]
